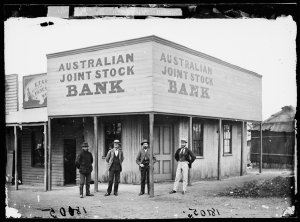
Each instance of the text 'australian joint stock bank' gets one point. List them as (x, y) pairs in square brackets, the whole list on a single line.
[(115, 86)]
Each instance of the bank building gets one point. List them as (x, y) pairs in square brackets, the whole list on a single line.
[(144, 88)]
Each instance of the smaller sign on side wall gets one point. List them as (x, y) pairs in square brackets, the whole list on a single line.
[(35, 91)]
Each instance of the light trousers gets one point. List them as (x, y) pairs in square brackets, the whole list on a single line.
[(183, 168)]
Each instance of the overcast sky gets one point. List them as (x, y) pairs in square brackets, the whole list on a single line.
[(266, 47)]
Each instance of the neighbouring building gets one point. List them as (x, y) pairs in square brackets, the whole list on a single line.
[(278, 140), (125, 89)]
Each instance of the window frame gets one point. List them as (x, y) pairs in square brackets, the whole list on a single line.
[(225, 153), (108, 146), (201, 140)]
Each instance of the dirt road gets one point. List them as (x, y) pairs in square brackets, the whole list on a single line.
[(200, 201)]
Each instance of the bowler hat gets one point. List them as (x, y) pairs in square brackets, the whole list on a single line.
[(183, 140), (85, 144), (116, 141), (144, 141)]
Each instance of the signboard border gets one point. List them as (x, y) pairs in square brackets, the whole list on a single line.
[(23, 83)]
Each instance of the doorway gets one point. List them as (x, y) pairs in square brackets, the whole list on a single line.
[(69, 161), (162, 148)]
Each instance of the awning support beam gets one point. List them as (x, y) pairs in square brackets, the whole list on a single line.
[(49, 155), (260, 148), (242, 149), (219, 148), (190, 146), (45, 158), (16, 157), (151, 169), (96, 153)]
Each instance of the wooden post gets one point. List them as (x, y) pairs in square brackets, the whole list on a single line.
[(219, 148), (16, 157), (96, 153), (242, 149), (190, 146), (151, 176), (49, 155), (260, 150), (45, 157), (295, 157)]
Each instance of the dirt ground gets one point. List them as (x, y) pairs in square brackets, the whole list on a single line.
[(200, 201)]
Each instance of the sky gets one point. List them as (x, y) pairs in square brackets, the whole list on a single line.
[(267, 47)]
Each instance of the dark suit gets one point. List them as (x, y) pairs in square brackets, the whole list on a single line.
[(84, 162), (144, 158), (115, 168)]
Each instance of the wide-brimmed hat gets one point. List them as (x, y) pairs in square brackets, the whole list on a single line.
[(183, 140), (84, 144), (144, 141), (117, 141)]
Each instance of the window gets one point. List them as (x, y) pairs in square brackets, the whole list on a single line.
[(112, 131), (227, 139), (37, 149), (198, 138)]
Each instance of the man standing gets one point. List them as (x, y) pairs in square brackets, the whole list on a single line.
[(185, 157), (84, 162), (143, 160), (114, 158)]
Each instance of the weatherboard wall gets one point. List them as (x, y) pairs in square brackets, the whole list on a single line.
[(186, 83), (125, 75)]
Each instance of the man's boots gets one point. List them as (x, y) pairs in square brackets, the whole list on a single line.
[(81, 191)]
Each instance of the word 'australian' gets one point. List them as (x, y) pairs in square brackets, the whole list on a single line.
[(167, 58), (90, 63)]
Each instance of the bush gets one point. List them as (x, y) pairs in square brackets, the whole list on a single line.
[(275, 187)]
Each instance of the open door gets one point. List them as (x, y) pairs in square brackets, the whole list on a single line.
[(69, 161)]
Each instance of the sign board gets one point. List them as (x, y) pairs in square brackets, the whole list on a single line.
[(187, 83), (150, 74), (112, 80), (35, 91)]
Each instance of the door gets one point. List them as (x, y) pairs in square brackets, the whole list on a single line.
[(69, 161), (162, 148)]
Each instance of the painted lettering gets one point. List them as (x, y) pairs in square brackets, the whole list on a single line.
[(82, 63), (163, 57), (85, 90), (172, 86), (100, 86), (61, 67), (99, 62), (72, 90), (183, 90), (120, 59), (115, 86), (204, 92), (130, 70), (91, 63), (129, 57), (194, 90)]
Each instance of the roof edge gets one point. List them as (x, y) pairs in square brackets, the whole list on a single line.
[(148, 39)]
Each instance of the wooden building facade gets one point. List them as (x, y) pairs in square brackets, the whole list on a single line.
[(112, 91), (278, 140)]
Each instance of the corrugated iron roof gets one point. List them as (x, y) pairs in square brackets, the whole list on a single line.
[(282, 121)]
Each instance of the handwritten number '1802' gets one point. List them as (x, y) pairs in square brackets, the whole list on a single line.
[(63, 211), (211, 212)]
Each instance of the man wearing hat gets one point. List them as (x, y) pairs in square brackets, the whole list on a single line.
[(185, 157), (143, 160), (84, 162), (114, 158)]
